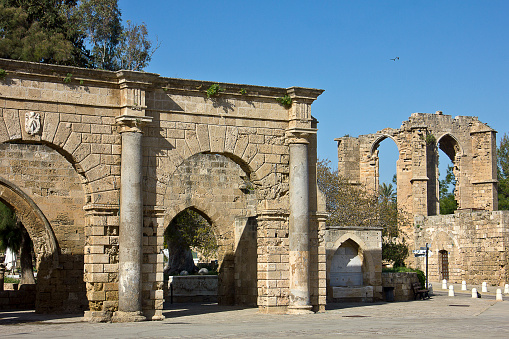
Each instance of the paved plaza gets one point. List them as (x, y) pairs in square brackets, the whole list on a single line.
[(440, 317)]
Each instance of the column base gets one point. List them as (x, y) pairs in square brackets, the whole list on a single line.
[(154, 314), (126, 317), (304, 309)]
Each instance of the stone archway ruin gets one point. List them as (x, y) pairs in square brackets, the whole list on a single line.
[(125, 134), (471, 147), (469, 143)]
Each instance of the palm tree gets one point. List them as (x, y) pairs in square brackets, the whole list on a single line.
[(387, 192)]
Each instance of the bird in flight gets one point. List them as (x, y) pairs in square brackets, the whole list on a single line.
[(396, 58)]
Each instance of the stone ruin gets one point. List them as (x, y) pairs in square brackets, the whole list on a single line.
[(468, 245), (97, 163)]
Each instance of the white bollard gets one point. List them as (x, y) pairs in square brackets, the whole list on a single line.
[(463, 285), (484, 287), (499, 295), (451, 291), (474, 293), (506, 288), (444, 284)]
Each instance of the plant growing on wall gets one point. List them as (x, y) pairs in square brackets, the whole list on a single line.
[(243, 91), (68, 78), (214, 90), (430, 139), (285, 100), (3, 74)]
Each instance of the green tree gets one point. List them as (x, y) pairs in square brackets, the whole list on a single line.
[(503, 173), (36, 31), (350, 205), (448, 203), (387, 192), (100, 22), (13, 235), (85, 33), (188, 230), (135, 50)]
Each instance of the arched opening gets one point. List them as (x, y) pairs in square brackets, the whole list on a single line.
[(191, 258), (46, 193), (346, 265), (350, 272), (448, 168), (219, 189), (386, 155), (20, 270)]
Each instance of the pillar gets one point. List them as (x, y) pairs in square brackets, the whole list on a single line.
[(299, 297), (131, 221)]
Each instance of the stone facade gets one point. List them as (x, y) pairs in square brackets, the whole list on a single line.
[(97, 166), (474, 244), (469, 245)]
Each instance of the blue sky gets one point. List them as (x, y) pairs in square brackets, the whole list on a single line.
[(454, 57)]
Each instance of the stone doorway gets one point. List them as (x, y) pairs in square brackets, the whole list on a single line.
[(443, 262)]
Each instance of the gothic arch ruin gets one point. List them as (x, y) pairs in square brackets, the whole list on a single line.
[(471, 147)]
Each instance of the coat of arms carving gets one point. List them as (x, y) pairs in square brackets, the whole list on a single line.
[(32, 123)]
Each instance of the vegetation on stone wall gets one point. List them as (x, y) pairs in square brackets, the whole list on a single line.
[(285, 100), (86, 33), (420, 274), (503, 173), (352, 205), (214, 90)]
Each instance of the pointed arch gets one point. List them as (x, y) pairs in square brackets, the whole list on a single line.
[(376, 143), (450, 145), (362, 246)]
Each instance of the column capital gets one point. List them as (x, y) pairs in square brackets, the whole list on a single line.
[(299, 135), (132, 123)]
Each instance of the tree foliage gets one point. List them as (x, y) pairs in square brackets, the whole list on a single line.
[(448, 203), (503, 173), (86, 33), (188, 230), (351, 205), (35, 31), (99, 21)]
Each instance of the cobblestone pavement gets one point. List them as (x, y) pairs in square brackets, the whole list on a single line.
[(439, 317)]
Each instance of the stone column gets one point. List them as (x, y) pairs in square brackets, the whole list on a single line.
[(131, 221), (299, 225)]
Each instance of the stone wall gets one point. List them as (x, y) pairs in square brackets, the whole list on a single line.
[(165, 135), (402, 284), (476, 244), (18, 299)]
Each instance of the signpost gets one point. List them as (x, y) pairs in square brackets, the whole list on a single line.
[(423, 251)]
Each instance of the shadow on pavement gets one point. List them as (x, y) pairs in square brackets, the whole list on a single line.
[(176, 310), (29, 316)]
